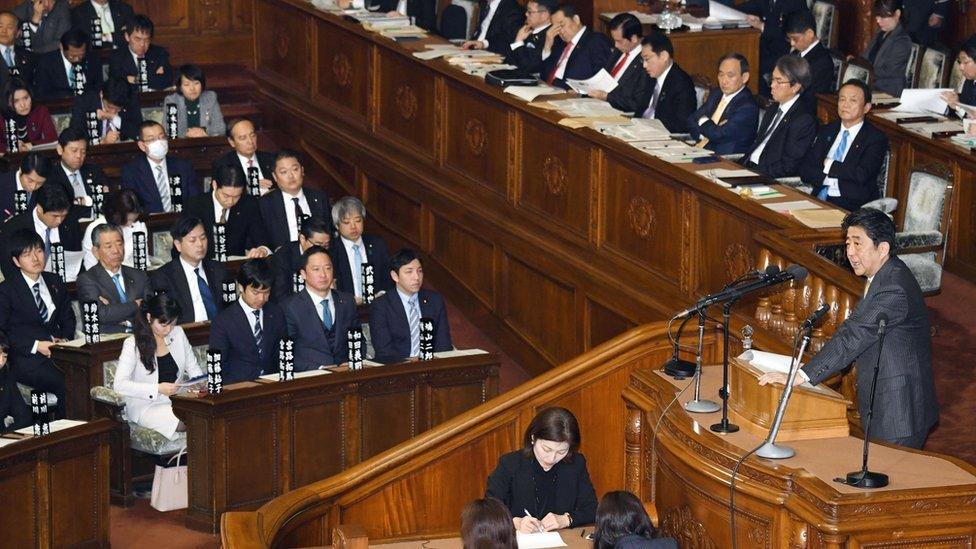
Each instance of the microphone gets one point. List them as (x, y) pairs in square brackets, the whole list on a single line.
[(816, 317), (882, 323), (793, 272)]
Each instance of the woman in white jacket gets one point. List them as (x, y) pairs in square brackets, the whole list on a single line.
[(152, 361)]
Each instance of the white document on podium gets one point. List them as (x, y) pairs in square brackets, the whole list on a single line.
[(539, 540), (601, 81), (925, 100)]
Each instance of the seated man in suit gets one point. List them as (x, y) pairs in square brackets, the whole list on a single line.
[(117, 289), (125, 62), (60, 73), (194, 281), (353, 248), (787, 128), (113, 19), (80, 179), (316, 231), (964, 102), (282, 209), (116, 109), (52, 219), (319, 318), (801, 30), (35, 310), (247, 333), (394, 318), (245, 156), (498, 23), (526, 50), (227, 204), (634, 86), (48, 21), (571, 50), (843, 164), (152, 176), (14, 412), (673, 99), (925, 19), (26, 180), (726, 122), (15, 60), (768, 17), (423, 12)]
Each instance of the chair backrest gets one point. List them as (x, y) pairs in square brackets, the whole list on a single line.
[(911, 68), (883, 175), (956, 79), (858, 69), (932, 69), (825, 15), (61, 121), (454, 22), (153, 113), (837, 58), (926, 204), (109, 366)]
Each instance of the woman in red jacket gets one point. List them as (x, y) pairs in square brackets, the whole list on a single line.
[(34, 125)]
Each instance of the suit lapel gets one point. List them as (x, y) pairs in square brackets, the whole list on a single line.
[(27, 296), (182, 284), (107, 285)]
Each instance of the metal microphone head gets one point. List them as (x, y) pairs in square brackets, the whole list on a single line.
[(882, 320), (796, 272), (772, 270)]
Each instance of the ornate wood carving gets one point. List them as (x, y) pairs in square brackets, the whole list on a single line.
[(475, 134), (641, 215), (681, 524), (633, 450), (554, 174), (342, 69), (406, 101), (738, 261)]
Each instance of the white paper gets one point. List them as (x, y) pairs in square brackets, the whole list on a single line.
[(298, 375), (435, 53), (601, 81), (924, 100), (460, 352), (793, 206), (80, 342), (72, 264), (56, 425), (719, 13), (585, 107), (530, 93), (9, 441), (539, 540), (724, 173), (639, 130), (767, 362)]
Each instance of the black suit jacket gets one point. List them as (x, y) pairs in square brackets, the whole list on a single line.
[(528, 56), (8, 186), (822, 71), (91, 101), (89, 172), (172, 279), (11, 403), (138, 176), (69, 231), (589, 56), (275, 219), (265, 162), (424, 12), (313, 346), (376, 254), (245, 228), (232, 335), (967, 95), (905, 404), (634, 87), (857, 175), (51, 79), (788, 144), (772, 42), (96, 282), (506, 22), (676, 101), (390, 329), (22, 322), (513, 483), (122, 65), (23, 62), (736, 129), (122, 13), (287, 260)]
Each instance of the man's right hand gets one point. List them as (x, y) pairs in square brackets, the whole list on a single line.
[(44, 347), (523, 33)]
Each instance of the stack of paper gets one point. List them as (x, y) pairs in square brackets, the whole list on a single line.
[(601, 81), (968, 141), (460, 352), (585, 107), (530, 93), (437, 50), (793, 206), (481, 69), (681, 152), (821, 218), (539, 540), (638, 130), (923, 100)]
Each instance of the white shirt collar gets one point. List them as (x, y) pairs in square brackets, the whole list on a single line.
[(809, 48), (110, 273), (40, 227), (350, 243), (542, 28), (578, 35), (218, 207), (67, 171), (853, 129), (19, 187), (316, 298), (733, 94), (245, 159), (248, 310), (664, 76), (785, 107), (405, 298), (300, 196), (189, 269), (30, 283)]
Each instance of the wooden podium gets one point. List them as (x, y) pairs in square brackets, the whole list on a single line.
[(812, 413)]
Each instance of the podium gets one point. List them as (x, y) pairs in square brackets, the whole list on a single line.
[(813, 412)]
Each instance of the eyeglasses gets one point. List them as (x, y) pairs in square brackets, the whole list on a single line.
[(530, 12), (782, 82)]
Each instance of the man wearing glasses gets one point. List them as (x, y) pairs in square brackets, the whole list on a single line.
[(530, 39)]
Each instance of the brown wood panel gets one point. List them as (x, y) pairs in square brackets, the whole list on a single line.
[(465, 255), (172, 15), (380, 430), (604, 323), (449, 400), (407, 103), (541, 308), (342, 69), (729, 236), (76, 511), (397, 208), (315, 456), (20, 529), (283, 50), (251, 442), (478, 134)]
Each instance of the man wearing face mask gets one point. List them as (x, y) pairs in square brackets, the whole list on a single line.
[(116, 110), (152, 176), (229, 205)]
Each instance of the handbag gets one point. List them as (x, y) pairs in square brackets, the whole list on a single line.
[(169, 488)]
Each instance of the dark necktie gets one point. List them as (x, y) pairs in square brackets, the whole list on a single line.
[(206, 295), (772, 126), (298, 212), (258, 332), (41, 307), (326, 315)]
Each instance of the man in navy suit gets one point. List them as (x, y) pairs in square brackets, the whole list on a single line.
[(28, 178), (787, 128), (498, 23), (80, 179), (572, 50), (353, 249), (319, 318), (245, 155), (843, 164), (152, 176), (801, 30), (124, 61), (726, 122), (673, 98), (768, 16), (56, 73), (52, 218), (35, 311), (194, 281), (394, 318), (634, 86), (227, 204), (247, 332), (14, 60), (526, 50), (116, 109), (283, 208), (113, 15), (288, 259)]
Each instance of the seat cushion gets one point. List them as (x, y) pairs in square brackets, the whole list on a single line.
[(918, 239), (153, 442), (927, 272)]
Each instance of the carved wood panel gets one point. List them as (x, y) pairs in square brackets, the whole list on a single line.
[(169, 16), (74, 513), (343, 68), (383, 431), (604, 323), (20, 529), (407, 102), (466, 256), (448, 401), (314, 456), (477, 137), (399, 210), (252, 473), (729, 237), (283, 53), (541, 308)]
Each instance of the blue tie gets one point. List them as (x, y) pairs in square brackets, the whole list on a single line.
[(41, 307), (258, 332), (413, 317), (47, 243), (9, 57), (118, 286), (357, 267), (326, 315), (208, 300), (838, 157)]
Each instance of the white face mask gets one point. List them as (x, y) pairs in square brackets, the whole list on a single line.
[(158, 149)]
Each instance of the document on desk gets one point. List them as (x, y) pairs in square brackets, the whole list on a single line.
[(601, 81), (434, 53), (793, 206), (539, 540), (76, 343), (923, 100), (8, 441), (719, 15), (637, 130), (585, 107), (460, 352), (823, 218), (724, 173), (530, 93), (56, 425)]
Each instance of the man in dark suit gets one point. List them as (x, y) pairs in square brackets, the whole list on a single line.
[(283, 208), (245, 155), (571, 50), (846, 157), (498, 23), (787, 128), (423, 12), (27, 179), (227, 204), (124, 63), (634, 86), (35, 311), (353, 248), (194, 281), (113, 19), (48, 21), (152, 176), (906, 407), (14, 412), (726, 122), (526, 50), (288, 259), (924, 19), (319, 318), (801, 30), (116, 109), (52, 219), (80, 179), (394, 318), (14, 60), (964, 102), (247, 332), (769, 16), (673, 98), (116, 288), (60, 73)]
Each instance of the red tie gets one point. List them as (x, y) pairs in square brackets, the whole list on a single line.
[(562, 59), (620, 64)]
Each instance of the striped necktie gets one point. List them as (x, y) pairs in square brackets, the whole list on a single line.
[(413, 316), (258, 332), (41, 307)]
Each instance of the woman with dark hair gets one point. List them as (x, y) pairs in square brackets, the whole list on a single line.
[(154, 359), (545, 485), (487, 524), (622, 523), (890, 48), (122, 208), (197, 110), (34, 125), (14, 413)]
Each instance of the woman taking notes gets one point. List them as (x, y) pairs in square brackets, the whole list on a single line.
[(545, 485)]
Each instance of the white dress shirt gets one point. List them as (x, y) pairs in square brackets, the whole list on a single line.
[(833, 186), (77, 184), (254, 160), (483, 31), (165, 192), (218, 209), (357, 278), (249, 315), (658, 86), (317, 302), (41, 229), (809, 48), (561, 69), (290, 211), (105, 14), (630, 59), (784, 108), (405, 299), (69, 67), (45, 297), (199, 309), (520, 43), (13, 53)]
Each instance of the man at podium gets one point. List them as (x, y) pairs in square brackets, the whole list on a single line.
[(905, 406)]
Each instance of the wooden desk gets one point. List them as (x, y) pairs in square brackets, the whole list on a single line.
[(54, 489), (258, 440)]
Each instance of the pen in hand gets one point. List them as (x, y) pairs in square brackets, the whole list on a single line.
[(529, 515)]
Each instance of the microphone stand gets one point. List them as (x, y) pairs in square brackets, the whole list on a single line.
[(865, 478), (676, 367), (724, 426), (699, 406), (769, 449)]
